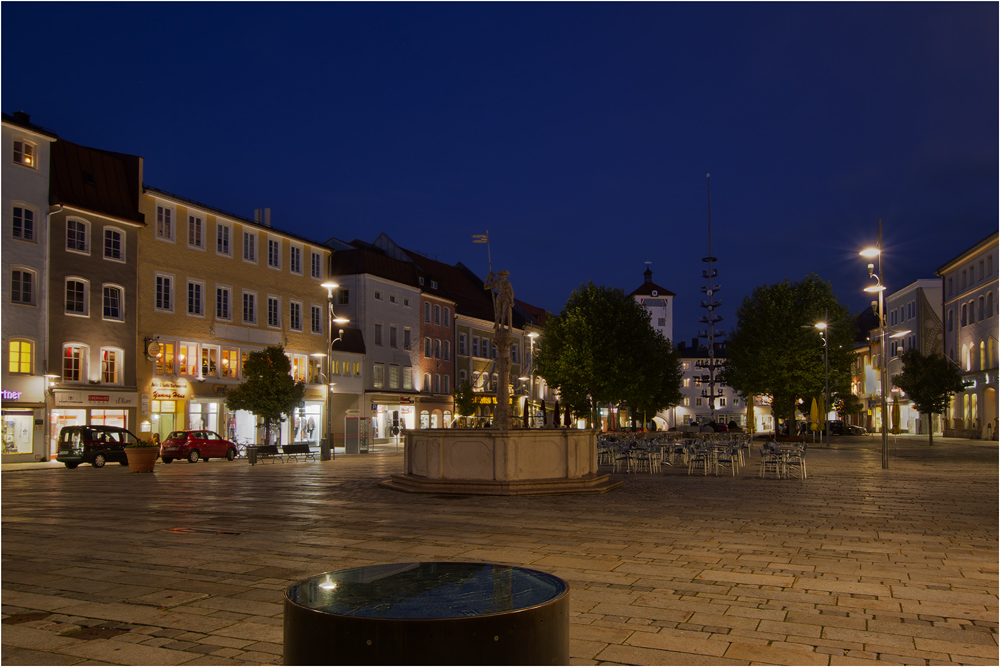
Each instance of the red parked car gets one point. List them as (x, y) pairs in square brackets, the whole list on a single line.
[(194, 445)]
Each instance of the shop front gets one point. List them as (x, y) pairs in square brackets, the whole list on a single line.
[(390, 413), (434, 412), (24, 419), (78, 407)]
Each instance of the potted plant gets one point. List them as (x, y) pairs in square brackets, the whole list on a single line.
[(141, 455)]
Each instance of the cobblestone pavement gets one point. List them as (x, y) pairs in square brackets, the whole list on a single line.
[(854, 565)]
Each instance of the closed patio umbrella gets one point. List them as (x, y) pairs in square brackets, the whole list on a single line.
[(895, 414), (814, 416), (751, 426)]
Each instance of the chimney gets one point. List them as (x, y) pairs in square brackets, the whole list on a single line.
[(267, 217), (694, 343), (256, 215), (22, 117)]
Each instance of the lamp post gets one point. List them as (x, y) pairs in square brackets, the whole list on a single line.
[(331, 320), (531, 377), (824, 333), (879, 287)]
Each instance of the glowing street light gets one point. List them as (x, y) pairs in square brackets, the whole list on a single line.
[(879, 287)]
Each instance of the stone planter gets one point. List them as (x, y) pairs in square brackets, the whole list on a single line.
[(141, 459)]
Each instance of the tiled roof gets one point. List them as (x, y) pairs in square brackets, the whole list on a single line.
[(372, 262), (536, 313), (457, 284), (96, 180), (646, 289)]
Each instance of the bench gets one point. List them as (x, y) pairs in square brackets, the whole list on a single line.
[(292, 452), (269, 452)]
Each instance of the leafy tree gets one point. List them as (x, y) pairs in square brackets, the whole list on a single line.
[(601, 350), (269, 391), (465, 400), (776, 349), (929, 381), (847, 404)]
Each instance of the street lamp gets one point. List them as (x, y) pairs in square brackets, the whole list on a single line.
[(824, 333), (879, 287), (531, 377), (331, 319)]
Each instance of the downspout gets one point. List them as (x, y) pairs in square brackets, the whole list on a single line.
[(45, 329)]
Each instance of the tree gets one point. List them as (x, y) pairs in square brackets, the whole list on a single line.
[(929, 381), (601, 350), (269, 391), (846, 404), (465, 400), (776, 349)]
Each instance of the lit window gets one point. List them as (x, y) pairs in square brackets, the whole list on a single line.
[(20, 357), (408, 378), (76, 297), (22, 287), (187, 359), (24, 153), (378, 376), (393, 377), (74, 362), (165, 359), (76, 236), (24, 223), (230, 367), (113, 303), (111, 361)]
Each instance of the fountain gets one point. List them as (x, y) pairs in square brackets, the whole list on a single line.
[(500, 460)]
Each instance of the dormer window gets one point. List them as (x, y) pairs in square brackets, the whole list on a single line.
[(434, 284), (24, 154), (420, 279)]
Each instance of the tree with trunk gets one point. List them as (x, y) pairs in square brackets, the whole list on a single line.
[(776, 349), (268, 390), (929, 381), (602, 350), (465, 400)]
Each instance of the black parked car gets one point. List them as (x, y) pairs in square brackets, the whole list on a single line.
[(95, 445), (839, 427)]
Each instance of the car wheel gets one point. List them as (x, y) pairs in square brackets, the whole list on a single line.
[(167, 459), (230, 454), (193, 456), (72, 466), (99, 461)]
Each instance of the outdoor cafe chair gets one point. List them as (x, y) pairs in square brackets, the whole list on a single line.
[(796, 458), (728, 456), (769, 462), (698, 457)]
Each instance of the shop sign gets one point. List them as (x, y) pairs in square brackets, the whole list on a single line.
[(406, 400), (219, 389), (166, 390), (24, 389), (66, 399)]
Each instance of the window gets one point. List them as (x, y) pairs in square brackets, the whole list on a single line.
[(445, 384), (378, 376), (475, 381), (434, 284), (113, 300), (164, 223), (972, 312), (274, 253), (446, 320), (427, 311), (437, 383), (437, 314), (475, 346), (24, 223), (686, 382), (951, 319), (406, 302), (427, 348), (249, 308), (196, 237), (273, 311), (408, 378), (989, 304), (420, 279), (461, 344), (187, 359), (393, 377), (392, 337), (697, 402), (24, 153), (462, 378), (437, 348), (22, 287), (687, 401), (493, 349), (722, 402), (209, 361), (223, 303), (965, 315), (392, 298), (230, 366), (951, 286), (76, 236), (343, 297), (406, 338), (315, 265), (427, 382), (77, 296), (316, 319), (223, 233), (989, 265), (20, 357), (196, 295), (164, 293), (250, 247), (982, 307), (300, 365), (165, 359), (114, 247), (74, 363), (513, 353), (111, 365), (446, 350), (295, 316), (378, 333), (378, 295), (661, 322), (963, 279)]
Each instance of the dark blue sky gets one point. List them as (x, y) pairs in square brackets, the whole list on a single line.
[(578, 134)]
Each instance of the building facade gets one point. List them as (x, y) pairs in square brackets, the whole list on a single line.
[(25, 294), (658, 302), (969, 284), (214, 287)]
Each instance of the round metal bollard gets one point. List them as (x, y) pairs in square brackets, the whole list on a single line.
[(428, 614), (252, 455)]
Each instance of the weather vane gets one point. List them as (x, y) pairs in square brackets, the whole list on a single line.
[(484, 238)]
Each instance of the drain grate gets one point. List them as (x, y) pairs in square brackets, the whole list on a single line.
[(26, 617)]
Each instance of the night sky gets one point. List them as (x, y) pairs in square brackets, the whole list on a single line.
[(579, 135)]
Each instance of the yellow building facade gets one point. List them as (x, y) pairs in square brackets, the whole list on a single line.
[(214, 287)]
